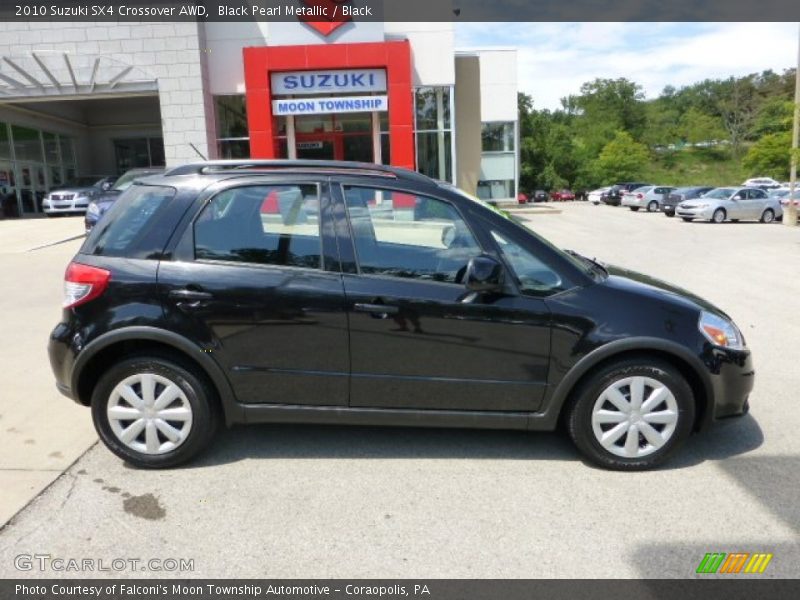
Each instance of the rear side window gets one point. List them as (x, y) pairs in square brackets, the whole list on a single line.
[(134, 227), (262, 224)]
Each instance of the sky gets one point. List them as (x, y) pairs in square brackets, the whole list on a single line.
[(554, 59)]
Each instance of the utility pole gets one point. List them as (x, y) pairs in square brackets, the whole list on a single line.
[(790, 215)]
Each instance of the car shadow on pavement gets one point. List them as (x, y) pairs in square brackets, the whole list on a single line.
[(340, 441), (772, 482), (722, 441)]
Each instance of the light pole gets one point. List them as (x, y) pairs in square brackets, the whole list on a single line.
[(790, 216)]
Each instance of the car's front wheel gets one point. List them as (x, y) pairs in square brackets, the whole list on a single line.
[(631, 415), (718, 216), (634, 208), (153, 412)]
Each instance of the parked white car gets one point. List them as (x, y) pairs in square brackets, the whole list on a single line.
[(762, 182), (596, 196), (650, 197), (74, 197), (731, 204)]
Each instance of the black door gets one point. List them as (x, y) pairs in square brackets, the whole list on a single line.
[(257, 293), (417, 339)]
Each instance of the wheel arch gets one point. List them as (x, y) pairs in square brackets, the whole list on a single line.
[(129, 341), (690, 366)]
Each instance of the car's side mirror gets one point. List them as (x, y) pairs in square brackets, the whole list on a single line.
[(738, 197), (484, 274)]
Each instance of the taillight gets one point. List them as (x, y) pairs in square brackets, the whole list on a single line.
[(639, 196), (83, 283)]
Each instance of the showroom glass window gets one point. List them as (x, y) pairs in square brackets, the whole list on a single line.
[(263, 224), (233, 136), (404, 235), (32, 162), (433, 123), (498, 161)]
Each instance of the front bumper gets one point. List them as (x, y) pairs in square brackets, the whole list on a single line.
[(694, 213), (732, 379), (65, 206)]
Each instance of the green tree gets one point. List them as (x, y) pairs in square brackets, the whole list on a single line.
[(770, 156), (622, 158), (696, 126)]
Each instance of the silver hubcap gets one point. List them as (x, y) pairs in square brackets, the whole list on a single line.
[(149, 413), (768, 216), (634, 417), (719, 217)]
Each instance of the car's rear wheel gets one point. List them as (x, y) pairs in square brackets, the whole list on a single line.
[(634, 208), (768, 216), (153, 412), (631, 415), (652, 206), (718, 216)]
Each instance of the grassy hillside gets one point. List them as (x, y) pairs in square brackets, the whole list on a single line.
[(695, 166)]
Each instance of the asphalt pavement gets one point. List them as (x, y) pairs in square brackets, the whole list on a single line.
[(317, 502)]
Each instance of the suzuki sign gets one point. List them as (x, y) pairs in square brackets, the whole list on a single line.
[(304, 83)]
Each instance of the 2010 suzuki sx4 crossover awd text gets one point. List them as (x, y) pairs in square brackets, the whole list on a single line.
[(329, 292)]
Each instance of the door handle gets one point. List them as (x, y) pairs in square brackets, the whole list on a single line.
[(379, 311), (190, 295)]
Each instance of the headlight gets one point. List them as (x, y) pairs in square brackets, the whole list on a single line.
[(699, 206), (720, 332), (93, 209)]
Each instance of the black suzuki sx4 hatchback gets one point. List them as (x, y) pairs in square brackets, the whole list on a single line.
[(326, 292)]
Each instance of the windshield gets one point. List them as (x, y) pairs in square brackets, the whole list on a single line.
[(126, 181), (83, 182), (719, 193)]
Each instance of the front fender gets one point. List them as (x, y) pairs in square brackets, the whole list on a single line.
[(558, 395)]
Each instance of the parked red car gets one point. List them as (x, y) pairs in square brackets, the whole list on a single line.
[(561, 195), (522, 198)]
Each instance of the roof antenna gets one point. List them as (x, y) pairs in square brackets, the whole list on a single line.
[(200, 154)]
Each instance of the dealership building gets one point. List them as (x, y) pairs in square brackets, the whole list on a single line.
[(82, 98)]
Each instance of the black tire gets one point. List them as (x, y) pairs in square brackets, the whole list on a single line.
[(768, 216), (634, 208), (719, 216), (669, 214), (199, 393), (579, 412), (652, 206), (687, 219)]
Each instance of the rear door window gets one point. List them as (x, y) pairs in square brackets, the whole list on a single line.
[(262, 224)]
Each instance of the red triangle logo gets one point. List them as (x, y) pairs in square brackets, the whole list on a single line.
[(327, 16)]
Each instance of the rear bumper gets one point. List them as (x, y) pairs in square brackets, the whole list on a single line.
[(62, 359)]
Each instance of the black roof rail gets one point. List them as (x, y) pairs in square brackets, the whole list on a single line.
[(216, 166)]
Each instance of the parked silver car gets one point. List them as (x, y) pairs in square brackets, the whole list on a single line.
[(731, 204), (74, 196), (650, 197)]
